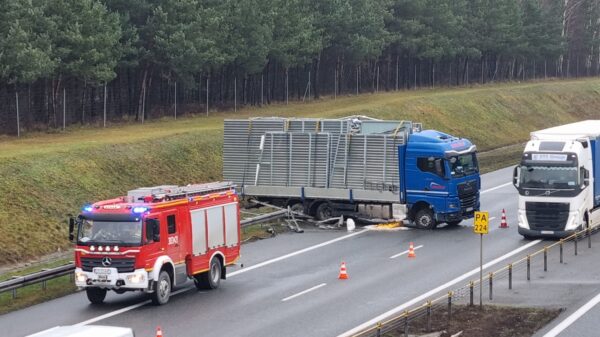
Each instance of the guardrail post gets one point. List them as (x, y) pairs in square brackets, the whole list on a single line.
[(491, 277), (428, 316), (449, 307), (44, 285), (72, 277), (561, 250), (471, 293), (545, 258), (575, 242), (510, 276), (528, 267), (589, 235), (406, 323), (14, 293), (378, 329)]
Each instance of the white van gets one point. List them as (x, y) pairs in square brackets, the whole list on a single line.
[(85, 331)]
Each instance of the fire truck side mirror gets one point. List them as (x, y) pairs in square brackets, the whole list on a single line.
[(71, 228), (152, 230)]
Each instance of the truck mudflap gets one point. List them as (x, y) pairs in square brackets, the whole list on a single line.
[(110, 278)]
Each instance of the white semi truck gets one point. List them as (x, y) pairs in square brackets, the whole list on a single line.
[(558, 180)]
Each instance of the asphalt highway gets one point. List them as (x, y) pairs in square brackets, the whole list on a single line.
[(289, 286)]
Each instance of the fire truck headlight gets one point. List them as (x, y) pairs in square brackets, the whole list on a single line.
[(80, 277), (92, 248), (116, 248), (136, 278)]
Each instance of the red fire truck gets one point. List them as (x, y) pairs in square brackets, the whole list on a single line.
[(156, 238)]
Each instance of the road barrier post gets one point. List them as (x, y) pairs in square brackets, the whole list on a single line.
[(406, 323), (14, 293), (545, 258), (471, 293), (428, 316), (528, 267), (510, 276), (491, 277), (589, 235), (44, 285), (561, 250), (449, 307), (575, 242), (378, 329)]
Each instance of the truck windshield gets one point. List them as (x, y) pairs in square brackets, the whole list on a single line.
[(549, 177), (463, 165), (110, 232)]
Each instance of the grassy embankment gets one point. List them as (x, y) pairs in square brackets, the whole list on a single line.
[(43, 177)]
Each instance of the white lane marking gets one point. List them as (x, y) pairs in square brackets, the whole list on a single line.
[(573, 317), (492, 218), (495, 188), (131, 307), (259, 265), (404, 252), (287, 256), (428, 294), (304, 292)]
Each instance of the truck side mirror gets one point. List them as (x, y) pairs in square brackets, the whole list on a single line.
[(586, 177), (71, 228), (152, 230), (516, 176)]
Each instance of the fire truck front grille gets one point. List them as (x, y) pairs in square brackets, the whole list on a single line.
[(547, 215), (122, 265)]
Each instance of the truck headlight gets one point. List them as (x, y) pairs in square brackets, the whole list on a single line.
[(452, 205), (523, 220), (135, 278), (572, 223), (80, 277)]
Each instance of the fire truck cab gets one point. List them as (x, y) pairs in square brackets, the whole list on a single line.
[(156, 238)]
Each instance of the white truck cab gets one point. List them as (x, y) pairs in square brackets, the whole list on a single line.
[(558, 181)]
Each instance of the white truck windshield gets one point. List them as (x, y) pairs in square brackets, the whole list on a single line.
[(110, 232), (549, 177)]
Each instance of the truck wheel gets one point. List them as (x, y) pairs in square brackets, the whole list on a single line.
[(324, 211), (95, 295), (210, 279), (424, 219), (162, 292), (453, 223), (297, 208)]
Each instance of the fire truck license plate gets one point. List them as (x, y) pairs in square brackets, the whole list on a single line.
[(102, 271)]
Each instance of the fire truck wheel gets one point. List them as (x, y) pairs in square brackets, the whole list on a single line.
[(424, 219), (163, 289), (96, 295), (211, 278)]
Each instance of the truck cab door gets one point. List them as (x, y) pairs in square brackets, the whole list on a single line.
[(174, 245)]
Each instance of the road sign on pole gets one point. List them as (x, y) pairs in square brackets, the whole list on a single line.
[(481, 226)]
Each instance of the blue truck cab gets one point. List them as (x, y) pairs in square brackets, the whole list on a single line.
[(440, 177)]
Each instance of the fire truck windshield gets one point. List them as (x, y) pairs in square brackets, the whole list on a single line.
[(110, 232)]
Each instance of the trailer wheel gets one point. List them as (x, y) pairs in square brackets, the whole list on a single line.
[(453, 223), (162, 292), (424, 219), (324, 211), (210, 279), (297, 208), (95, 295)]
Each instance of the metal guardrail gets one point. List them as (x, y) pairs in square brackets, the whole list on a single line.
[(42, 276), (37, 277), (401, 322)]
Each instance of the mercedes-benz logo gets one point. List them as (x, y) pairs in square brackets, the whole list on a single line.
[(106, 261)]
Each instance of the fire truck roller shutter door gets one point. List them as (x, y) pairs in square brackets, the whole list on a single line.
[(231, 225), (198, 231), (214, 217)]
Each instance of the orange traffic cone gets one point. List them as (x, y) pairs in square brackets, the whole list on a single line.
[(158, 332), (411, 250), (343, 274), (503, 223)]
